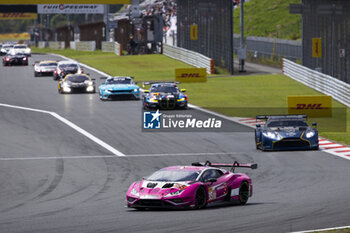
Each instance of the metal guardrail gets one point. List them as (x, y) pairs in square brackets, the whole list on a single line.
[(270, 47), (323, 83), (189, 57)]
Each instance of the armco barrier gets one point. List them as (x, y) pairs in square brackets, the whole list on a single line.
[(118, 49), (107, 46), (189, 57), (83, 45), (56, 44), (323, 83)]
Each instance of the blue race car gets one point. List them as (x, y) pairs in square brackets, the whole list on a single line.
[(164, 96), (119, 87), (286, 132)]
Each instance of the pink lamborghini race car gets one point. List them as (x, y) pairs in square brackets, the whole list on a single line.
[(191, 186)]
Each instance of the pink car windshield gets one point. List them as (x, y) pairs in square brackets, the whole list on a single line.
[(174, 175)]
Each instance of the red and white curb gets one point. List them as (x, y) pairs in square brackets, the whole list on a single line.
[(326, 145)]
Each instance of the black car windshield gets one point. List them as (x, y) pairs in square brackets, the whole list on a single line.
[(77, 78), (119, 81), (167, 89), (173, 175), (20, 47), (294, 123), (48, 64), (69, 66), (7, 46)]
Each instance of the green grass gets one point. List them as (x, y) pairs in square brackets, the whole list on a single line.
[(243, 96), (269, 18)]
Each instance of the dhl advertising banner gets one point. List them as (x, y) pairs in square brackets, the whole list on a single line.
[(312, 106), (34, 2), (191, 75), (15, 15)]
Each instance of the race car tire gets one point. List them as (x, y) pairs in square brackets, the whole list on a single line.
[(244, 193), (36, 74), (102, 99), (144, 104), (200, 198)]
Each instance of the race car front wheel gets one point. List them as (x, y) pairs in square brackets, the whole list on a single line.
[(244, 193), (201, 198)]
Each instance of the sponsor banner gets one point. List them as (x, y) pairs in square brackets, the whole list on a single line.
[(70, 9), (194, 32), (312, 106), (34, 2), (317, 47), (15, 15), (191, 75)]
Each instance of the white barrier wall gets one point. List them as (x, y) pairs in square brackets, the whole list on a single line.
[(56, 44), (323, 83), (118, 49), (189, 57), (107, 46), (42, 44), (83, 45)]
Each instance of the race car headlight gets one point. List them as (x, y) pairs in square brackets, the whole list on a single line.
[(107, 91), (310, 134), (90, 83), (66, 89), (135, 192), (272, 135), (174, 193), (182, 99), (153, 100), (136, 90), (90, 88), (24, 58)]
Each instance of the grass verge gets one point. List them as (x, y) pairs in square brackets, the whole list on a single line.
[(234, 95)]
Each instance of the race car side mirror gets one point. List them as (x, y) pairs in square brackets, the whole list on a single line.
[(314, 124), (258, 125), (146, 91), (183, 90)]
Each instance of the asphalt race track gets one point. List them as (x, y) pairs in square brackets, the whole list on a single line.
[(55, 179)]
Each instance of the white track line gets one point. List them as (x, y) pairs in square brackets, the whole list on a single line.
[(70, 124), (326, 229)]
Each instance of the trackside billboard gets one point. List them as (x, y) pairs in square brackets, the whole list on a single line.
[(70, 9), (191, 75), (312, 106)]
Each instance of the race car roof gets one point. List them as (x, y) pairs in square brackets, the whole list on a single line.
[(43, 62)]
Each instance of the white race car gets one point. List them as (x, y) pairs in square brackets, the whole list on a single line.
[(22, 48)]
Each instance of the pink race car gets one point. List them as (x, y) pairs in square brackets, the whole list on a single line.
[(191, 186)]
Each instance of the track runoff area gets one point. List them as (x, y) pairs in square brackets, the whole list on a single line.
[(303, 160)]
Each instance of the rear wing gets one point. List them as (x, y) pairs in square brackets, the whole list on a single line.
[(154, 82), (231, 165), (265, 117)]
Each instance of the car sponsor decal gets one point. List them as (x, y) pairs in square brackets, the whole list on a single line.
[(211, 193)]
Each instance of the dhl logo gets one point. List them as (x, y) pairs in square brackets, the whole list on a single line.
[(190, 75), (310, 106)]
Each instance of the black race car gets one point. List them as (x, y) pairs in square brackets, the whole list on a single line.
[(66, 67), (164, 96), (12, 58), (77, 83)]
